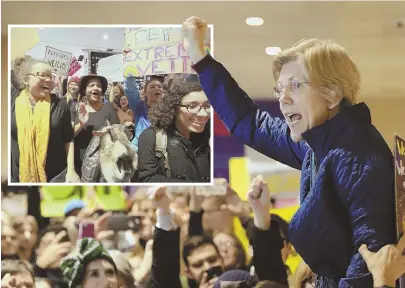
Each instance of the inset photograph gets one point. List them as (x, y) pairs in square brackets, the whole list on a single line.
[(95, 104)]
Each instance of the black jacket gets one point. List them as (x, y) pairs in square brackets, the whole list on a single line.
[(266, 259), (189, 160), (267, 247)]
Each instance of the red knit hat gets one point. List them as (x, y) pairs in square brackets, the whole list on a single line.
[(74, 79)]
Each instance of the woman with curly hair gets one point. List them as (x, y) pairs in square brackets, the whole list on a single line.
[(183, 114)]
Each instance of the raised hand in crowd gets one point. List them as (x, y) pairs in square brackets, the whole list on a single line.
[(386, 265), (142, 274), (193, 35), (83, 114), (258, 197), (195, 201), (235, 205), (161, 200), (101, 231), (54, 252)]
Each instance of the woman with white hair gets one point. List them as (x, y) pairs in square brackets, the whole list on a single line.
[(347, 184), (41, 129)]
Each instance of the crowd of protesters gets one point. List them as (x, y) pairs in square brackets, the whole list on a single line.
[(183, 240), (58, 124)]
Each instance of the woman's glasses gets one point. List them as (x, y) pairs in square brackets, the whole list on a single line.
[(195, 109), (292, 87), (43, 76)]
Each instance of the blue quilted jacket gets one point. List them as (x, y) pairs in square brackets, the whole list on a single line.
[(351, 201)]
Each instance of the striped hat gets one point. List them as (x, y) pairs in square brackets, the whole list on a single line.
[(88, 250)]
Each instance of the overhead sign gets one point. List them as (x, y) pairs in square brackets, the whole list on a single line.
[(58, 60), (154, 51)]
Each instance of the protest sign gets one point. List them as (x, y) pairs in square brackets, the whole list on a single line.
[(22, 40), (74, 66), (58, 60), (111, 67), (399, 155), (55, 198), (154, 51)]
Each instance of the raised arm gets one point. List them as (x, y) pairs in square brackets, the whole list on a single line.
[(266, 240), (166, 243), (132, 92), (254, 127)]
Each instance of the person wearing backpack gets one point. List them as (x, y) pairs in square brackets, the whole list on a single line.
[(176, 146)]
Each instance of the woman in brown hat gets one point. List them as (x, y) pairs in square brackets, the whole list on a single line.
[(91, 115)]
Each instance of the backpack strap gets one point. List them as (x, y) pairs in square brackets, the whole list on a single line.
[(161, 150)]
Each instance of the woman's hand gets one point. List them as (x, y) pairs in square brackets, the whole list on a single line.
[(195, 201), (258, 197), (193, 35), (386, 265), (160, 200), (54, 252), (235, 205), (83, 114)]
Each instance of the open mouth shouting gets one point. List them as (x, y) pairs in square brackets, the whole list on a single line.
[(95, 94), (46, 88), (293, 119)]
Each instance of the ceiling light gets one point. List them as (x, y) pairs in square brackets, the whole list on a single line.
[(273, 50), (254, 21), (105, 36)]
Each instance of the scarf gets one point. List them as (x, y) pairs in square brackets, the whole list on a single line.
[(33, 135), (88, 250)]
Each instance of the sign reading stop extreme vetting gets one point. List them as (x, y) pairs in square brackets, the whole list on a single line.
[(156, 50), (58, 60)]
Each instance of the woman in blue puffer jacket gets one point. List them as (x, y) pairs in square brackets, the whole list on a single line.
[(347, 180)]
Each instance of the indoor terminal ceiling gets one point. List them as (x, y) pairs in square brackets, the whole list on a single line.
[(369, 30)]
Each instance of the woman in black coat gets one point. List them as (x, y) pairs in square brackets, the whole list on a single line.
[(183, 115)]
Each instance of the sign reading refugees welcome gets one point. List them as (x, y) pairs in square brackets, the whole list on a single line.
[(58, 60), (154, 51)]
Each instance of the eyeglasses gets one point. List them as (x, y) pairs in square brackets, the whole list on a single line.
[(43, 76), (195, 109), (292, 87)]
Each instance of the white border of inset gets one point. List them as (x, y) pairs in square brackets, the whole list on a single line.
[(210, 26)]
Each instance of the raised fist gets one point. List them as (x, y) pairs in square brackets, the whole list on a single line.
[(193, 35)]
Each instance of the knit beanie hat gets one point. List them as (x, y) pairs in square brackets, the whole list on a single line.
[(88, 250), (74, 79)]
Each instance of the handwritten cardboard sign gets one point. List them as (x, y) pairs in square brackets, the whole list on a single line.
[(58, 60), (399, 155), (155, 50), (74, 66)]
